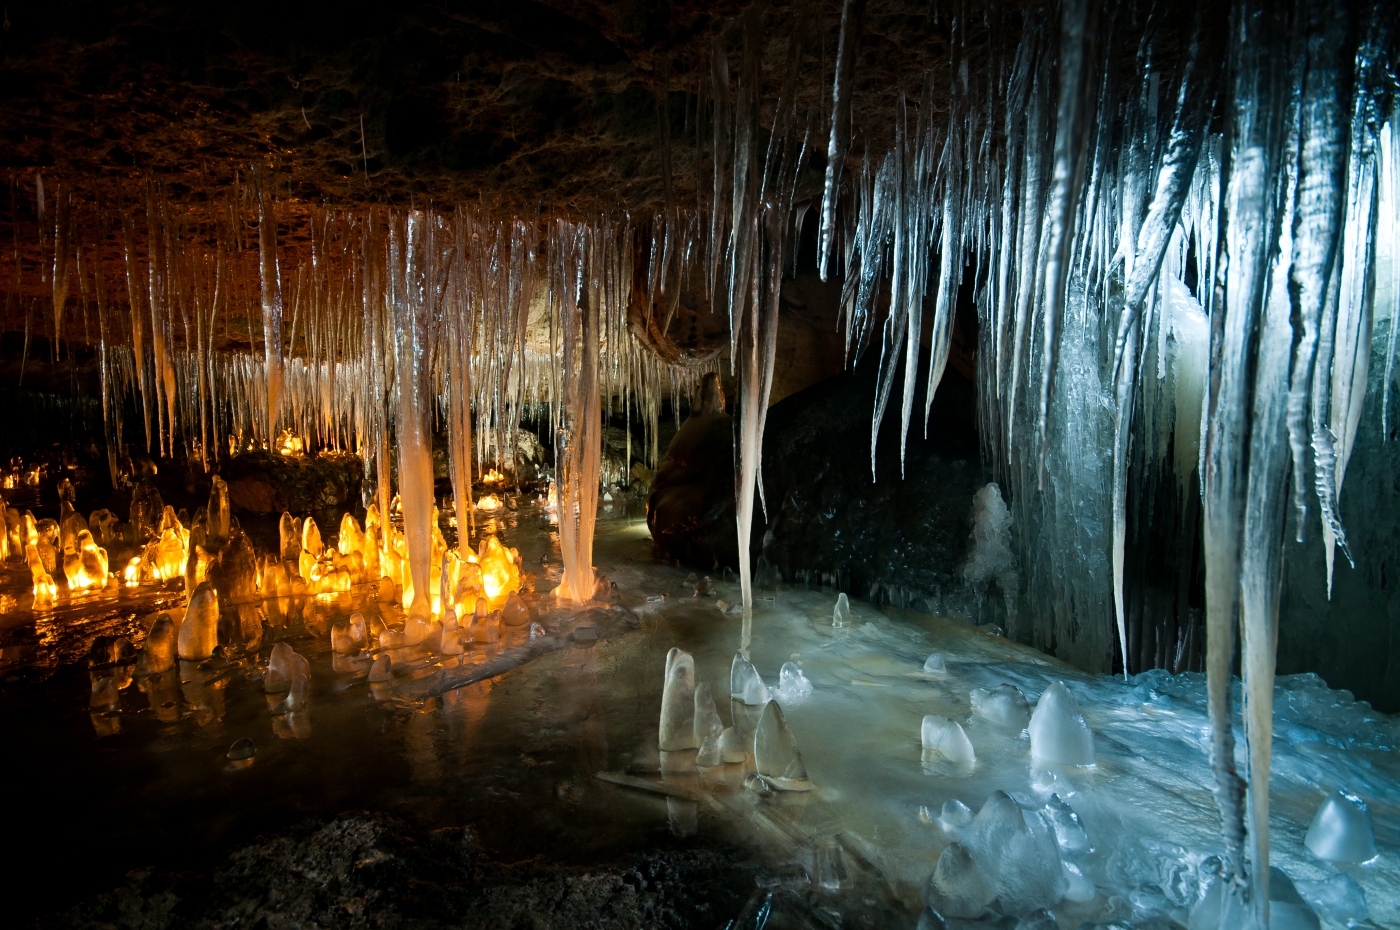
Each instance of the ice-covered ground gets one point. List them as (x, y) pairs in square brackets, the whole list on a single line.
[(531, 743), (1145, 805)]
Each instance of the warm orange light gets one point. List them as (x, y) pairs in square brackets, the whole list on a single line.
[(489, 502), (86, 566), (499, 573), (44, 589), (493, 477), (288, 443)]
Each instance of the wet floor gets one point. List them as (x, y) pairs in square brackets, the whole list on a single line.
[(518, 755)]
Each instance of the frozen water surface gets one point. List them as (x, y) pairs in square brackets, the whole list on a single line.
[(512, 737)]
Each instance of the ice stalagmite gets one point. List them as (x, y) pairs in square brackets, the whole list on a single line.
[(1341, 830), (775, 753), (678, 703), (199, 633)]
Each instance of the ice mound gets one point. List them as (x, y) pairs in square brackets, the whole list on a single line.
[(958, 888), (1017, 852), (1338, 898), (841, 616), (1059, 734), (775, 753), (348, 636), (158, 654), (242, 753), (515, 612), (793, 686), (935, 665), (954, 819), (746, 684), (1069, 830), (1004, 706), (199, 633), (1341, 830), (946, 747), (708, 726), (284, 667), (732, 746), (678, 703)]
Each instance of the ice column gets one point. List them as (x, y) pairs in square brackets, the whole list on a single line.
[(580, 437), (413, 268)]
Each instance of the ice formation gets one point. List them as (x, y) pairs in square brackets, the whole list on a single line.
[(678, 727), (775, 755), (935, 664), (1004, 706), (1058, 732), (199, 631), (1342, 831), (793, 686), (841, 615), (991, 557), (284, 667), (946, 747), (158, 653), (745, 682)]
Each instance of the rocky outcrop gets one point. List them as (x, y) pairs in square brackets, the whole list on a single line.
[(264, 482), (898, 537)]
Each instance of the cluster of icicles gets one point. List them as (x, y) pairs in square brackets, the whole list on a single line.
[(1178, 228)]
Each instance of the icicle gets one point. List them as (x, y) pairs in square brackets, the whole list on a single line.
[(271, 308), (852, 21)]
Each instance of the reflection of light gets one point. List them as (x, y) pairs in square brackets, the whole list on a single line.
[(132, 573), (493, 477), (489, 502), (288, 443), (11, 481)]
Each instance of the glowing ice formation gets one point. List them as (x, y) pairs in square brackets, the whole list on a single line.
[(158, 653), (1059, 734), (199, 632), (1342, 831)]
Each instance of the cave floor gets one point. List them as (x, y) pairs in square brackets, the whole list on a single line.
[(421, 804)]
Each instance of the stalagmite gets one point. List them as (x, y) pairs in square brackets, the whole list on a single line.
[(678, 730), (775, 753), (199, 631)]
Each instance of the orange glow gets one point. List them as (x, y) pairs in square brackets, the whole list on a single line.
[(489, 502), (289, 443), (45, 591), (493, 477), (85, 567), (499, 573)]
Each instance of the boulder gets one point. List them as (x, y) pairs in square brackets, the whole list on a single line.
[(898, 538), (266, 482)]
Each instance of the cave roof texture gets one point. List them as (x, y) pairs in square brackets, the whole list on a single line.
[(539, 104)]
